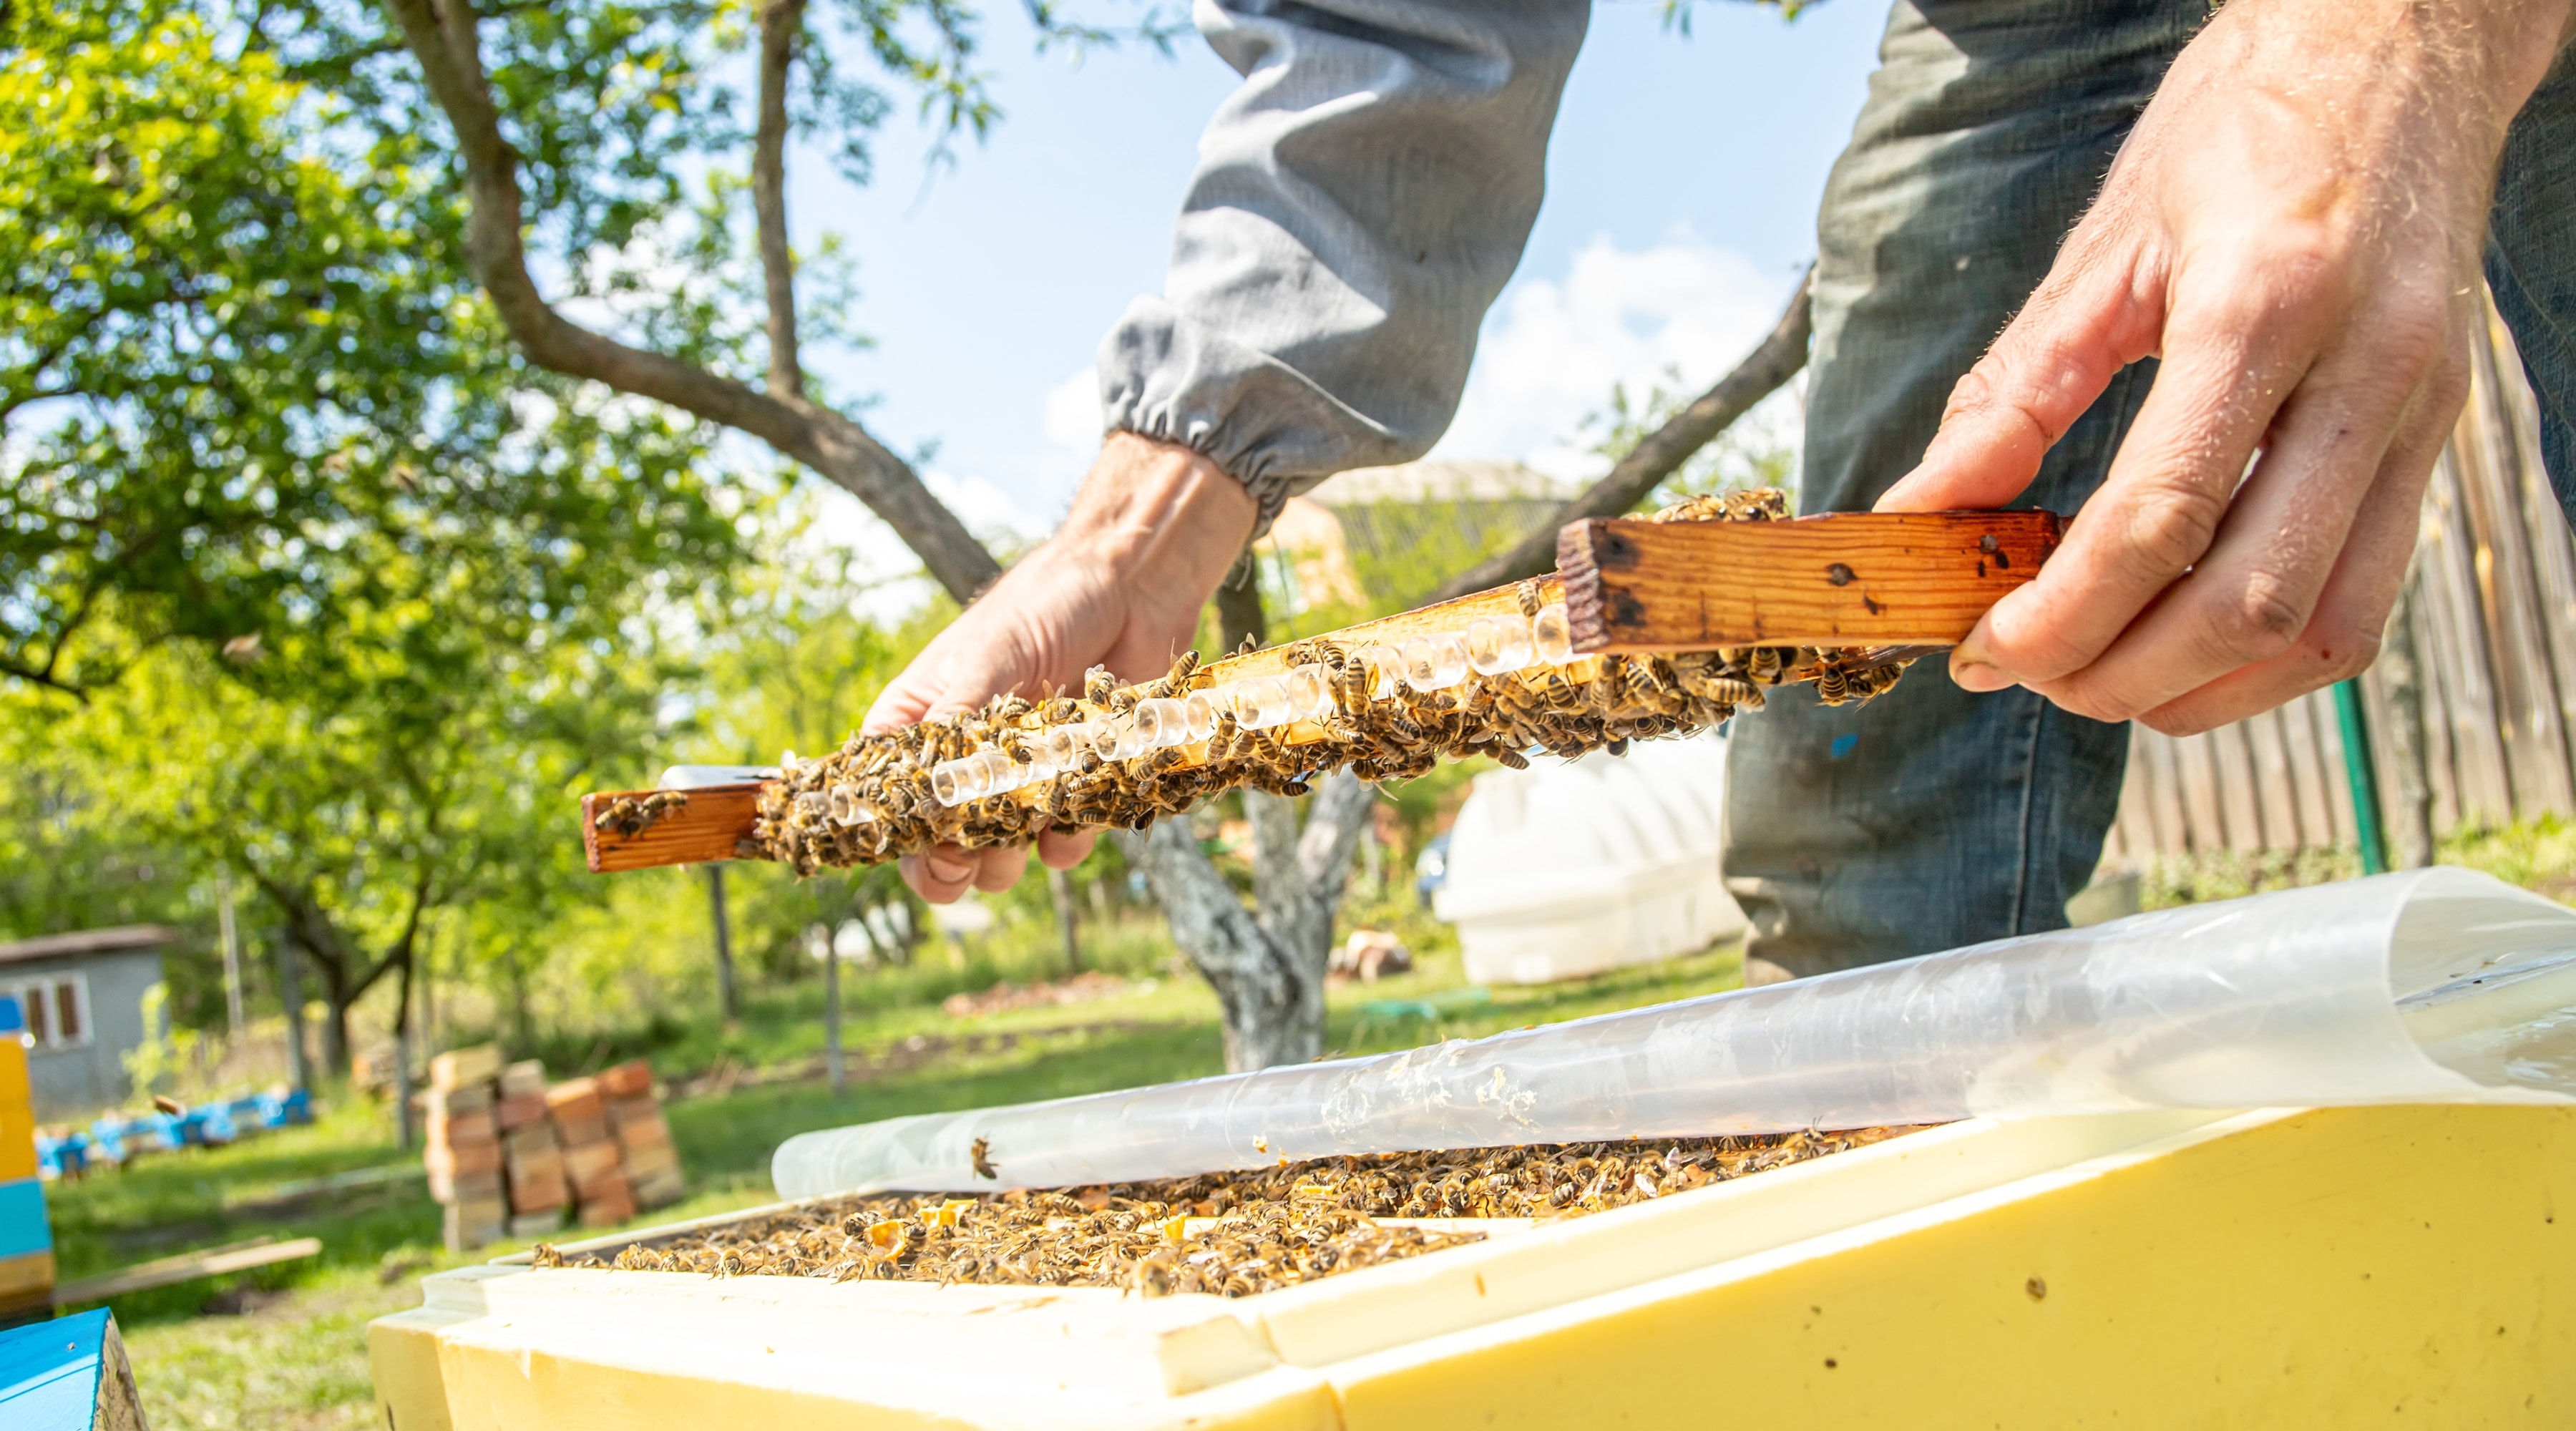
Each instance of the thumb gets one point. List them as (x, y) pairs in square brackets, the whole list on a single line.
[(2086, 321)]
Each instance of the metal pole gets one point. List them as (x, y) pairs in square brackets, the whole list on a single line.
[(2365, 779), (832, 1065), (233, 1016), (1060, 888), (724, 942)]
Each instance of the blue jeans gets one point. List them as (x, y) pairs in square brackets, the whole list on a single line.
[(1931, 818)]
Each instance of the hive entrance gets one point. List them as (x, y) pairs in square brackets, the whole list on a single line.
[(1232, 1234)]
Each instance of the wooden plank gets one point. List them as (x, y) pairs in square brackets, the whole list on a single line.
[(2490, 484), (2204, 824), (2238, 803), (2307, 777), (2441, 773), (185, 1267), (2136, 823), (708, 828), (2456, 648), (2328, 731), (2173, 819), (2553, 552), (1841, 579), (2276, 796)]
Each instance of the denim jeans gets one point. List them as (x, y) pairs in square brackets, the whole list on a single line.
[(1931, 818)]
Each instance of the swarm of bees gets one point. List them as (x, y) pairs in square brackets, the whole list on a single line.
[(1230, 1234), (872, 800), (628, 817)]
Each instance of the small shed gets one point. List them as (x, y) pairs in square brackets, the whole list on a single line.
[(83, 997)]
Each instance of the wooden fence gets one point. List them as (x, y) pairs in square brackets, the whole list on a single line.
[(2470, 707)]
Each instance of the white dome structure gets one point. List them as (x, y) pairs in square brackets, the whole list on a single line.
[(1569, 868)]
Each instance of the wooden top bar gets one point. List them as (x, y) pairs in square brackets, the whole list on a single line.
[(1844, 579), (1857, 579)]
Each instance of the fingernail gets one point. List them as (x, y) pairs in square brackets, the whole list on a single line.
[(1979, 677), (948, 870)]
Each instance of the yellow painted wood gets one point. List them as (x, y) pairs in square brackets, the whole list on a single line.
[(402, 1355), (2385, 1266), (2279, 1269)]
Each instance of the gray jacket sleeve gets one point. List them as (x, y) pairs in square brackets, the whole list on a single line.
[(1358, 204)]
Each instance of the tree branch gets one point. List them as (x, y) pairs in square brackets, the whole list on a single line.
[(1774, 362), (780, 23), (441, 34)]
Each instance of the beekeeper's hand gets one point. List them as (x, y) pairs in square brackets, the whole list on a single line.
[(2294, 229), (1121, 584)]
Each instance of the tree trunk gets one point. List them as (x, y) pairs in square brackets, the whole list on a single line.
[(1267, 965)]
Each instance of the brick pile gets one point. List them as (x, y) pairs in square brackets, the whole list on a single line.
[(511, 1156), (580, 1117), (643, 1139), (464, 1145), (532, 1160)]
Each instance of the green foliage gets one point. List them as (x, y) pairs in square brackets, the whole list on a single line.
[(1759, 450), (217, 330)]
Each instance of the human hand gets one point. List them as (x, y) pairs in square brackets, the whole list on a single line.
[(2294, 228), (1152, 531)]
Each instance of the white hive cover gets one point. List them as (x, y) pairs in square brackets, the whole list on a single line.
[(1573, 867)]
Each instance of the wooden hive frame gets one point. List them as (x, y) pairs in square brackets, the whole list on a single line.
[(1899, 583)]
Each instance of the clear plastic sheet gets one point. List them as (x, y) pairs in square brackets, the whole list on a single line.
[(2432, 986)]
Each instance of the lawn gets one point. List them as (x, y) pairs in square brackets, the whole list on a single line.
[(285, 1346)]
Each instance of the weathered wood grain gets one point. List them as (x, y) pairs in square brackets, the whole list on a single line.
[(708, 828), (1842, 579)]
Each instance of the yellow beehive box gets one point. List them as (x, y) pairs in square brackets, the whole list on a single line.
[(17, 1112), (2277, 1268)]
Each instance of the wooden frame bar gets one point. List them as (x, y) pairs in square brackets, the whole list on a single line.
[(1844, 579), (1910, 580)]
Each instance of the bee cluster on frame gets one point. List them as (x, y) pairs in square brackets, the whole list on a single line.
[(1498, 678)]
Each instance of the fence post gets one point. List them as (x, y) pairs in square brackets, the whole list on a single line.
[(2365, 780)]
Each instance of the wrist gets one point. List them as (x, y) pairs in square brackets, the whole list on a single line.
[(1159, 519)]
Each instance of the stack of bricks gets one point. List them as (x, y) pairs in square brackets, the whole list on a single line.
[(26, 1232), (464, 1154), (643, 1139), (590, 1160), (532, 1161)]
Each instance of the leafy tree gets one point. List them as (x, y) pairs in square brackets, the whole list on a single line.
[(572, 126), (490, 647), (223, 337)]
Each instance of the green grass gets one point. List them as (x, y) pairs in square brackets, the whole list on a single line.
[(285, 1346)]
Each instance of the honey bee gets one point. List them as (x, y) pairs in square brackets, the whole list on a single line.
[(627, 817), (981, 1154)]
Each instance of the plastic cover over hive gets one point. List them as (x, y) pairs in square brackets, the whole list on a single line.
[(1569, 868)]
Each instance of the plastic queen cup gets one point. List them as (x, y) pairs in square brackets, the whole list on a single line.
[(1261, 702), (1499, 644), (1310, 693), (1435, 663), (1160, 723), (1117, 738), (1552, 635), (1198, 715)]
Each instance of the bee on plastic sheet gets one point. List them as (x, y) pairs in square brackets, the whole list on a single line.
[(981, 1154)]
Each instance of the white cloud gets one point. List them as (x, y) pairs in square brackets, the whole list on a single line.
[(1553, 348), (1073, 417)]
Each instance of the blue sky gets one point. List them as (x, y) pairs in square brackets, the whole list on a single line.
[(1683, 180)]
